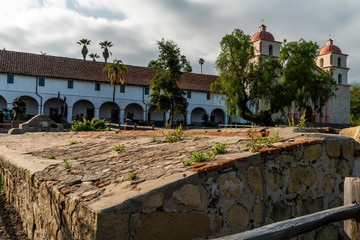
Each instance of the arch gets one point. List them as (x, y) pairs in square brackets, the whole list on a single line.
[(83, 108), (32, 106), (154, 116), (134, 112), (106, 112), (270, 50), (339, 61), (321, 62), (309, 115), (197, 115), (3, 103), (340, 78), (56, 110), (217, 115)]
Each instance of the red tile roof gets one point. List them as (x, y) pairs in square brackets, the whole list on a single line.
[(19, 63)]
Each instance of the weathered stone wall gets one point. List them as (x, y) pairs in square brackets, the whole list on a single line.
[(239, 192)]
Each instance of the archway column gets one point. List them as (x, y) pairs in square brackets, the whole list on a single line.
[(226, 119), (122, 115), (41, 109), (69, 114), (145, 116), (167, 116), (188, 118), (96, 112), (9, 105)]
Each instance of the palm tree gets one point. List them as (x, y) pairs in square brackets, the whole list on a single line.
[(84, 42), (116, 73), (94, 56), (201, 62), (105, 45)]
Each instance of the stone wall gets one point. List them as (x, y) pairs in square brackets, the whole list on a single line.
[(237, 193)]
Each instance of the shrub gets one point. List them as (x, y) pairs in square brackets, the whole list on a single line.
[(73, 142), (119, 147), (220, 148), (132, 176), (259, 142), (67, 164), (175, 136), (153, 139), (51, 156), (200, 156), (95, 124)]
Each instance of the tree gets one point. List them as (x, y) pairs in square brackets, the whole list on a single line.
[(106, 45), (201, 62), (116, 73), (355, 104), (94, 56), (277, 83), (165, 93), (84, 42)]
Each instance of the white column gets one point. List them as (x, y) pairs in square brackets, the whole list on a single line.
[(122, 114), (97, 113), (9, 106), (145, 116), (167, 116), (69, 114), (226, 119), (188, 118), (39, 110)]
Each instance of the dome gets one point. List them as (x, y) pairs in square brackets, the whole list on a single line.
[(329, 48), (262, 35)]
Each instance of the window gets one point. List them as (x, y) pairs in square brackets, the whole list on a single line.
[(208, 96), (10, 79), (188, 94), (339, 61), (321, 62), (339, 78), (270, 50), (70, 84), (122, 88), (146, 90), (41, 82), (97, 86)]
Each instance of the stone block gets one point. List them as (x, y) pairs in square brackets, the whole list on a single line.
[(301, 175), (275, 180), (254, 179), (313, 205), (237, 216), (314, 152), (188, 196), (328, 184), (348, 149), (230, 186), (333, 148), (112, 226), (281, 211), (154, 200), (328, 232), (345, 169), (257, 212), (172, 226), (285, 158)]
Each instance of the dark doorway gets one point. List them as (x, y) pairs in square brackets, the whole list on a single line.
[(115, 115), (309, 114), (89, 113)]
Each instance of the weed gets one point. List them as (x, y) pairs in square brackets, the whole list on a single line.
[(196, 138), (119, 148), (259, 142), (73, 142), (153, 138), (95, 124), (117, 130), (2, 185), (220, 148), (200, 156), (67, 164), (75, 158), (51, 156), (301, 123), (175, 136), (132, 176), (187, 163)]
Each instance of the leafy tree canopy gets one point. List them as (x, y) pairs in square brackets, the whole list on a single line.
[(277, 83), (165, 93), (355, 104)]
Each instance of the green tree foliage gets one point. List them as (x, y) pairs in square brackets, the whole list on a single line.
[(165, 93), (246, 80), (106, 45), (355, 104), (116, 74)]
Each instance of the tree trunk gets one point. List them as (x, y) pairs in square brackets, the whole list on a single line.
[(106, 54), (113, 106), (84, 51)]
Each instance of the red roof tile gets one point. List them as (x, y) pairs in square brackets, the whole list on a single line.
[(19, 63)]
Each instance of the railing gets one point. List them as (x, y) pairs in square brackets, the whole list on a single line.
[(296, 226)]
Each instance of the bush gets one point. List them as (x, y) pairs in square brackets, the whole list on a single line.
[(175, 136), (220, 148), (95, 124), (210, 124)]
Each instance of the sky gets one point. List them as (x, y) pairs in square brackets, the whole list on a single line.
[(196, 26)]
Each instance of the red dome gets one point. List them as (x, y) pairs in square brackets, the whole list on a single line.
[(262, 35), (329, 48)]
